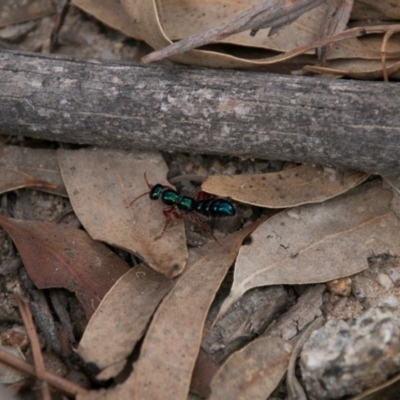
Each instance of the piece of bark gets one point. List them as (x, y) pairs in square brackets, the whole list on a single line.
[(245, 320), (307, 308), (342, 123)]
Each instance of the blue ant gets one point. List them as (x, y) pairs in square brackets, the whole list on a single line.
[(180, 206)]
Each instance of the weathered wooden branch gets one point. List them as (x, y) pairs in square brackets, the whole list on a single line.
[(336, 122)]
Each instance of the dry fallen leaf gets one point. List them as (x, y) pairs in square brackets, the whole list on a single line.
[(172, 342), (101, 185), (19, 11), (123, 315), (182, 18), (273, 14), (197, 23), (25, 167), (300, 185), (252, 372), (319, 242), (61, 256), (111, 13), (157, 24), (375, 10)]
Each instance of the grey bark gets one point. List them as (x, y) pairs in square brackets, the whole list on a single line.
[(336, 122)]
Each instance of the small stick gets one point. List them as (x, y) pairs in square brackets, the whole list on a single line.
[(56, 382), (26, 314)]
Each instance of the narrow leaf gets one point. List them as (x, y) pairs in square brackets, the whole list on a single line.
[(252, 372), (172, 343), (34, 168), (123, 315), (292, 187), (318, 242), (61, 256)]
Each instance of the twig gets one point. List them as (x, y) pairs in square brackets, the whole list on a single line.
[(388, 34), (270, 13), (56, 382), (26, 314)]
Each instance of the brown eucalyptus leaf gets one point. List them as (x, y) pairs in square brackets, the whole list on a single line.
[(145, 14), (182, 18), (318, 242), (102, 183), (61, 256), (295, 186), (195, 16), (375, 10), (156, 23), (273, 14), (123, 315), (252, 372), (172, 342), (25, 167), (18, 11), (111, 13)]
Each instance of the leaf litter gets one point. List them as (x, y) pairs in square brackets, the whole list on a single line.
[(359, 72), (288, 188), (123, 315), (318, 242), (102, 184), (172, 342), (294, 31), (61, 256), (34, 168), (252, 372)]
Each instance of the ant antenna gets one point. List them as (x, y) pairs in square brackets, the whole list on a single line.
[(143, 194)]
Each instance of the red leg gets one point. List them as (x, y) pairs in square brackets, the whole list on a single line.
[(199, 195), (198, 219), (168, 212)]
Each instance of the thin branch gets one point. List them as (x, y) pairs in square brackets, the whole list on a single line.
[(56, 382)]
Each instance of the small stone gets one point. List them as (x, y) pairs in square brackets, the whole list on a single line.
[(344, 358), (340, 287), (385, 281), (294, 213)]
